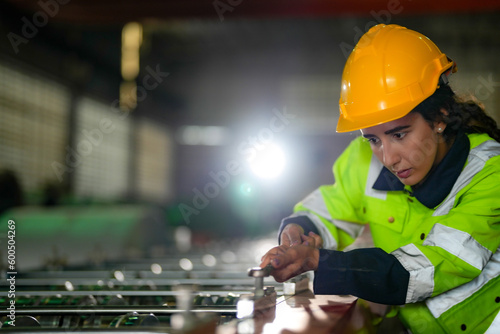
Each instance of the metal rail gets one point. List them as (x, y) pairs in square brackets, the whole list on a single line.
[(114, 310), (124, 293), (137, 282)]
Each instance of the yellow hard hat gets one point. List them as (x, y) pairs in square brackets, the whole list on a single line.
[(390, 71)]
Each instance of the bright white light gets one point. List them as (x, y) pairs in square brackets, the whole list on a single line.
[(119, 276), (177, 321), (246, 190), (183, 238), (214, 135), (190, 135), (156, 268), (69, 286), (209, 260), (203, 135), (244, 308), (269, 162), (228, 257), (186, 264)]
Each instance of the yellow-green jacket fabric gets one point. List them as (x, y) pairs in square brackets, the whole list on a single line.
[(451, 251)]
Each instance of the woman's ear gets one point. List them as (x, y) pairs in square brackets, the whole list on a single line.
[(440, 125)]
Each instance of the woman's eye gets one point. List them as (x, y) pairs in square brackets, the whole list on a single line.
[(372, 140), (399, 135)]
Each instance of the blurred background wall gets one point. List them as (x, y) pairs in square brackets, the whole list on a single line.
[(181, 105)]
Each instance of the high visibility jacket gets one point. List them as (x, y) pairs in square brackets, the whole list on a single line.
[(438, 243)]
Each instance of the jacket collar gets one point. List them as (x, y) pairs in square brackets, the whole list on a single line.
[(444, 175)]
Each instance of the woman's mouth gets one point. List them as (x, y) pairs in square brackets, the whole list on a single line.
[(403, 174)]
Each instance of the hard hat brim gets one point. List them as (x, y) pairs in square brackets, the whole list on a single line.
[(346, 125)]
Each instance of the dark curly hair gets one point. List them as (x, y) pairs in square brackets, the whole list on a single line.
[(466, 115)]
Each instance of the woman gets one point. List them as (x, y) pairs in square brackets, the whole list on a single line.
[(425, 175)]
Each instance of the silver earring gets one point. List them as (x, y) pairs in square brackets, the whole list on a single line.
[(440, 130)]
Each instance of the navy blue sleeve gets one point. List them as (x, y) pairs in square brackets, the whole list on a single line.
[(367, 273), (303, 221)]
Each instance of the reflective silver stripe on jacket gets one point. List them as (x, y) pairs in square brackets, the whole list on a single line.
[(495, 326), (476, 161), (459, 243), (329, 241), (373, 173), (416, 263), (354, 230), (443, 302), (421, 283), (316, 203)]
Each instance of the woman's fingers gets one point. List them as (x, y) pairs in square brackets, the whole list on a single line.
[(289, 261), (275, 250), (294, 261), (270, 256), (290, 236), (308, 240), (317, 239)]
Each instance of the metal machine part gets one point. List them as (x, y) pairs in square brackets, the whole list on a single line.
[(296, 284), (135, 319), (259, 307), (22, 321), (130, 296), (259, 273)]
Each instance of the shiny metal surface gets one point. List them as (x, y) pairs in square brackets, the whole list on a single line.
[(126, 296)]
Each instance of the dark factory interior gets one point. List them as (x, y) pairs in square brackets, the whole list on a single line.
[(150, 149)]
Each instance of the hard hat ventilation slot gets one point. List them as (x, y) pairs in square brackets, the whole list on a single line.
[(443, 79)]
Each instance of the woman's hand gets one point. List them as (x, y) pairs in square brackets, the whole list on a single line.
[(289, 262), (290, 236), (318, 241)]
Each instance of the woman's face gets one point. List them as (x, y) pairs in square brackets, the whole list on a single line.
[(409, 147)]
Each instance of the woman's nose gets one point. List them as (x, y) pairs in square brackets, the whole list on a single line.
[(390, 155)]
